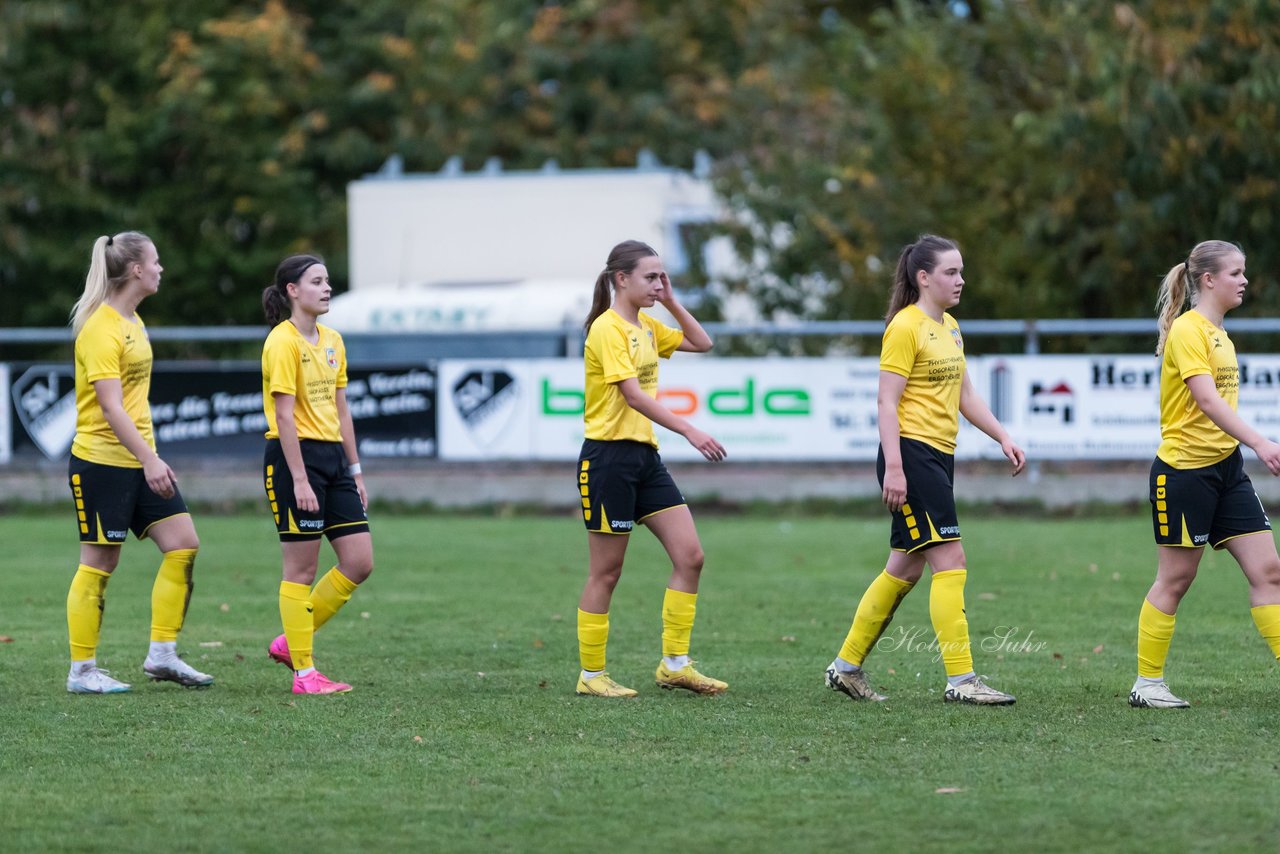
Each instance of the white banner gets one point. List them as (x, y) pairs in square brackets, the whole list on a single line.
[(760, 409), (1077, 407), (1056, 407)]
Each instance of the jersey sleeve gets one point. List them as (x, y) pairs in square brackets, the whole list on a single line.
[(616, 360), (666, 339), (898, 349), (280, 360), (100, 346), (1189, 352)]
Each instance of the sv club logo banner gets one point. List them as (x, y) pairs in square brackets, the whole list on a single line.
[(45, 400)]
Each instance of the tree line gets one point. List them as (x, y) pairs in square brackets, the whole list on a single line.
[(1075, 150)]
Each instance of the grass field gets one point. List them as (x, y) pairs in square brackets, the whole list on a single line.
[(463, 732)]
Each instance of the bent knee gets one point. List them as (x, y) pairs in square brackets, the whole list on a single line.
[(691, 560), (358, 572)]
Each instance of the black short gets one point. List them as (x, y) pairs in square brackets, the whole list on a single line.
[(111, 501), (622, 483), (929, 515), (1204, 506), (340, 513)]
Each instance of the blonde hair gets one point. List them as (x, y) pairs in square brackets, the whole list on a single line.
[(108, 271), (1181, 285)]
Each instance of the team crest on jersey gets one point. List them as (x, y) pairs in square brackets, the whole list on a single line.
[(331, 356), (955, 336)]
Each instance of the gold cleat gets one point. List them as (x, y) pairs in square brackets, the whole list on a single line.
[(689, 679), (602, 686)]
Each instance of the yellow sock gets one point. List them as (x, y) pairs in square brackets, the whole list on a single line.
[(330, 593), (171, 594), (295, 614), (946, 610), (875, 612), (1267, 619), (678, 609), (1155, 633), (84, 611), (593, 635)]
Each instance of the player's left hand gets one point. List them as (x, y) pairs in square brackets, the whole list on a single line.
[(364, 496), (1015, 455), (668, 293)]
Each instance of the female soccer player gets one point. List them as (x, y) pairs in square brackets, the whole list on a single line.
[(118, 481), (924, 387), (1200, 494), (311, 470), (621, 478)]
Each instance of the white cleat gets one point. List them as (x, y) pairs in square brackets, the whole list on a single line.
[(176, 670), (978, 693), (94, 681), (1155, 695), (853, 685)]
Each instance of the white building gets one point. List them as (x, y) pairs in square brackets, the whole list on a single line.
[(494, 250)]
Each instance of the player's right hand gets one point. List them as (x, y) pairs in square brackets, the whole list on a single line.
[(160, 478), (894, 492), (305, 497)]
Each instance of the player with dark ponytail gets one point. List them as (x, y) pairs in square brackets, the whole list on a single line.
[(311, 468), (621, 477), (924, 388)]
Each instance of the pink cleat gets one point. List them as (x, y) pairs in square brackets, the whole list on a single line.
[(316, 682), (279, 651)]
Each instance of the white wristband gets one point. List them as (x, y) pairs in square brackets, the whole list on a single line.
[(353, 469)]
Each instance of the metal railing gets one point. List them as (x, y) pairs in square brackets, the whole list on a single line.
[(1030, 331)]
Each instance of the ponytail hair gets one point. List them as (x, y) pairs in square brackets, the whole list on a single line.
[(109, 269), (276, 303), (1180, 287), (622, 259), (921, 255)]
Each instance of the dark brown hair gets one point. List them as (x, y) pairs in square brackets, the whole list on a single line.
[(275, 297), (921, 255)]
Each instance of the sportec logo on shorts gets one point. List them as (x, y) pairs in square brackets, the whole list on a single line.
[(312, 524), (621, 526)]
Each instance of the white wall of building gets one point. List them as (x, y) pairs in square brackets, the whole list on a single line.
[(416, 230)]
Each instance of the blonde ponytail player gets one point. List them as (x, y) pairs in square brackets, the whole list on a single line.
[(1200, 494)]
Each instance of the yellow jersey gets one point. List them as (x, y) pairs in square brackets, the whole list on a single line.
[(312, 373), (1194, 346), (617, 350), (931, 356), (112, 347)]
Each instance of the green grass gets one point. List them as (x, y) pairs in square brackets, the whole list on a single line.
[(463, 733)]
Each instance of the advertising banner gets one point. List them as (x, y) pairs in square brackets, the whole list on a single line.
[(760, 409), (217, 412), (1056, 407), (1078, 407)]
